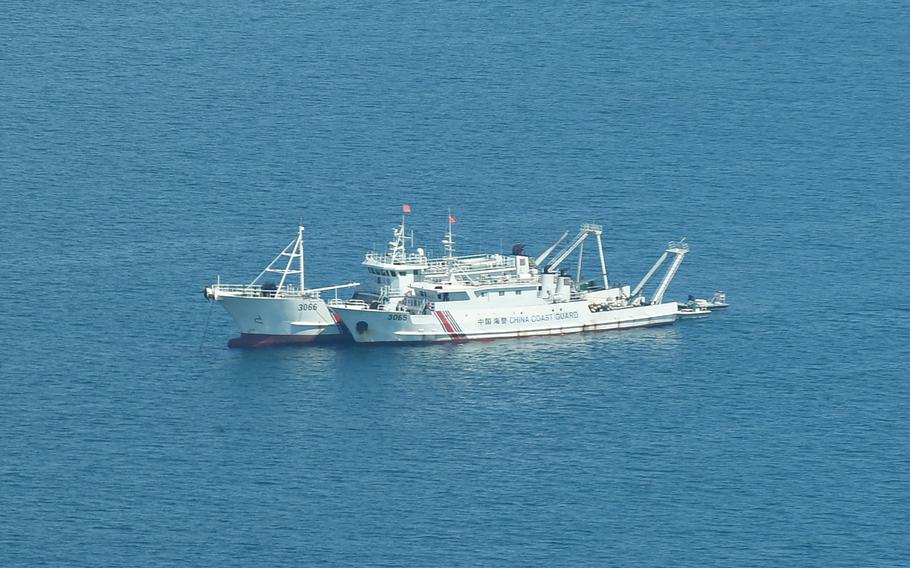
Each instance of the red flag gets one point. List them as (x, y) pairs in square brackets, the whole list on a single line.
[(451, 219), (405, 208)]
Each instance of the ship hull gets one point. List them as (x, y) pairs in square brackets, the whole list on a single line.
[(267, 321), (453, 325)]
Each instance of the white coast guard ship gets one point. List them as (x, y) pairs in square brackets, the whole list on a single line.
[(270, 313), (494, 296)]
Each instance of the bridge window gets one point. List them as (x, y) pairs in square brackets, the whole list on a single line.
[(452, 296)]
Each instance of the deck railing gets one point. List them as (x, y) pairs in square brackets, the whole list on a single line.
[(257, 291), (396, 259)]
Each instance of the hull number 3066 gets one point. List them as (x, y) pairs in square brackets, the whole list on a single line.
[(307, 307)]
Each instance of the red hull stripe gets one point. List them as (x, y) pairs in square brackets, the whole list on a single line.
[(445, 323), (454, 324), (449, 324)]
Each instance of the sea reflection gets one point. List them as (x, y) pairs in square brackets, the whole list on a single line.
[(486, 373), (469, 358)]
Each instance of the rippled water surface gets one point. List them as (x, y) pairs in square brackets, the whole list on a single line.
[(146, 147)]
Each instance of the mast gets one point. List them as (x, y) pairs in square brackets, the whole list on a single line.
[(398, 247), (300, 245), (449, 242), (292, 251)]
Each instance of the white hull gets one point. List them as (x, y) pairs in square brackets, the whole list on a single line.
[(414, 299), (282, 312), (380, 326), (268, 320)]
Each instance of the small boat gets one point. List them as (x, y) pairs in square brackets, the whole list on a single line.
[(687, 311), (697, 306)]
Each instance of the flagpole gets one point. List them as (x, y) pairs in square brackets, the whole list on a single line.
[(405, 209), (451, 244)]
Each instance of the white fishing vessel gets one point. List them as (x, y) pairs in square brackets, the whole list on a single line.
[(457, 298), (270, 313)]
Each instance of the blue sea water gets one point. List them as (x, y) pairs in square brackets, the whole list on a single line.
[(146, 147)]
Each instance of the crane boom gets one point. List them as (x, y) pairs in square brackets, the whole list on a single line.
[(650, 273), (671, 272), (552, 247), (579, 238), (679, 250), (586, 230)]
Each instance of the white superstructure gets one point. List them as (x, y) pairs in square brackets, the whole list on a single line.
[(454, 298), (271, 313)]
